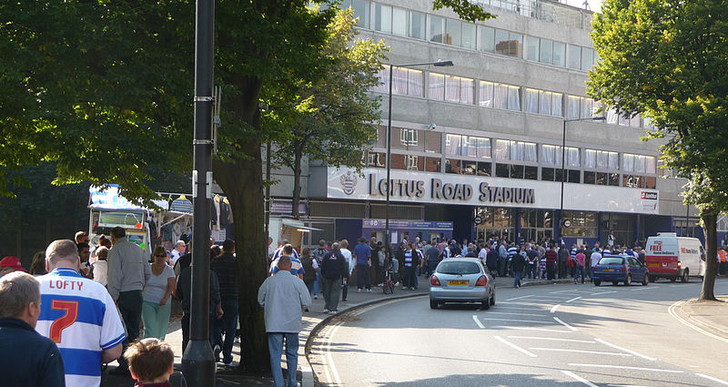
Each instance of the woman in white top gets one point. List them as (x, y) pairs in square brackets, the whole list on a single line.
[(157, 293)]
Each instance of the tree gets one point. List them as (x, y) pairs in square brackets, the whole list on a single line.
[(665, 60), (330, 118), (104, 90)]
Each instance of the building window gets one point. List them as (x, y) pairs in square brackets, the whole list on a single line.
[(597, 159), (408, 162), (432, 164), (417, 25), (544, 102), (404, 82), (583, 224), (470, 146), (383, 18), (361, 11), (638, 163), (580, 107), (437, 30), (551, 155), (409, 137), (433, 142), (532, 48), (451, 88), (515, 150), (377, 160), (499, 96), (500, 42)]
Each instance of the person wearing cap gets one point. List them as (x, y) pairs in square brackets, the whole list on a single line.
[(29, 359), (10, 264)]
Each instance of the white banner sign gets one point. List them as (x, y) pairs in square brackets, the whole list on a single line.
[(423, 187)]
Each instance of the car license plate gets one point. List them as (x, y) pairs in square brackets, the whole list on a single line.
[(458, 283), (654, 265), (608, 270)]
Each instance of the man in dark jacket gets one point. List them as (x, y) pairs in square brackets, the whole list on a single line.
[(563, 256), (226, 268), (29, 359), (491, 261), (518, 263), (333, 268), (184, 293)]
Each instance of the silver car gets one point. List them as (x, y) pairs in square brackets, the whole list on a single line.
[(461, 280)]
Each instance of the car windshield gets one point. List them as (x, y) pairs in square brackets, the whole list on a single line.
[(458, 268), (611, 261)]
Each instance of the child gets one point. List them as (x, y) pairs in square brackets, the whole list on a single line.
[(151, 362)]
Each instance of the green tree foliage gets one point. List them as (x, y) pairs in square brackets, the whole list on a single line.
[(330, 118), (665, 60)]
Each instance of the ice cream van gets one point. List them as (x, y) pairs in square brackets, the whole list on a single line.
[(670, 256)]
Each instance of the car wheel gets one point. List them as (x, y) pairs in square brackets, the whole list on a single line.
[(645, 280), (628, 281), (486, 304), (685, 278), (492, 300), (653, 278), (673, 279), (434, 304), (597, 282)]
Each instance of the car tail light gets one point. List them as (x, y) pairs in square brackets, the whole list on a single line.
[(434, 281), (625, 267), (482, 281), (679, 263)]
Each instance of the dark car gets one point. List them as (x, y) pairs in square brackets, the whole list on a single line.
[(616, 269)]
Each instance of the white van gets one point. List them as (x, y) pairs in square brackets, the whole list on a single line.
[(670, 256)]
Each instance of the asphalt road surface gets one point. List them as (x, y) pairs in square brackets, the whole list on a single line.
[(534, 336)]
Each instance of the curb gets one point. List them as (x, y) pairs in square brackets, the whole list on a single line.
[(307, 376), (700, 325)]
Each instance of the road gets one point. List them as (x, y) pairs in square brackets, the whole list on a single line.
[(534, 336)]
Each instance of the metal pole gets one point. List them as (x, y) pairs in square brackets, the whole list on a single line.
[(389, 169), (198, 362), (563, 178)]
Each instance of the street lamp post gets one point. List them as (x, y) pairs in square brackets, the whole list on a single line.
[(563, 167), (439, 63)]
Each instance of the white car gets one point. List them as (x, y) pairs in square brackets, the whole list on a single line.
[(461, 280)]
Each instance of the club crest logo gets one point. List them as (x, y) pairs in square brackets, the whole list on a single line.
[(348, 182)]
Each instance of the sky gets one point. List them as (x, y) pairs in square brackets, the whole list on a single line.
[(594, 5)]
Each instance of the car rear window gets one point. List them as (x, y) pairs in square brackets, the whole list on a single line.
[(459, 268), (611, 261)]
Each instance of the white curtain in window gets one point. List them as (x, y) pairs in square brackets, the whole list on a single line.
[(514, 98), (399, 21), (486, 94), (467, 90), (502, 149), (612, 117), (470, 146), (613, 160), (399, 81), (548, 154), (516, 151), (530, 152), (602, 160), (650, 165), (572, 157), (436, 88), (500, 96), (556, 105), (452, 144), (573, 108), (452, 88), (590, 158), (532, 101), (383, 86), (416, 87), (484, 147), (587, 108), (544, 102), (628, 162)]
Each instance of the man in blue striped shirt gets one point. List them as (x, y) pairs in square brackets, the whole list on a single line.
[(79, 315)]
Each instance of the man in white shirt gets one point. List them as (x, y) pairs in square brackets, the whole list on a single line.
[(344, 244), (178, 251), (594, 259)]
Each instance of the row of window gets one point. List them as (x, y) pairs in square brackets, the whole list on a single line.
[(480, 147), (450, 88), (513, 171), (422, 26)]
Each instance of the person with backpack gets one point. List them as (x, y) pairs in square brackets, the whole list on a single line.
[(311, 267), (318, 256)]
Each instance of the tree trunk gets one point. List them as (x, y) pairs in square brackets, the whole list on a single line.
[(298, 155), (710, 222), (242, 182)]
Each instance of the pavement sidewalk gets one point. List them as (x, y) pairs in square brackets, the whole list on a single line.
[(315, 317), (707, 317)]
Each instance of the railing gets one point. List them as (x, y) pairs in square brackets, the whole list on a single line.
[(553, 12)]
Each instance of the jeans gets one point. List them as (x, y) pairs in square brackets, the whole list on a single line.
[(156, 319), (318, 284), (409, 277), (579, 273), (275, 346), (228, 325), (331, 293), (532, 271), (130, 307), (517, 274), (344, 288), (363, 278)]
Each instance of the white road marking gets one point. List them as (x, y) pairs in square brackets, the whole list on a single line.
[(552, 339), (524, 321), (330, 359), (553, 309), (518, 298), (539, 329), (579, 378), (626, 350), (625, 368), (580, 351), (624, 385), (713, 379), (674, 314), (562, 291), (517, 348), (611, 291), (643, 288), (477, 321), (573, 299), (520, 314), (565, 324)]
